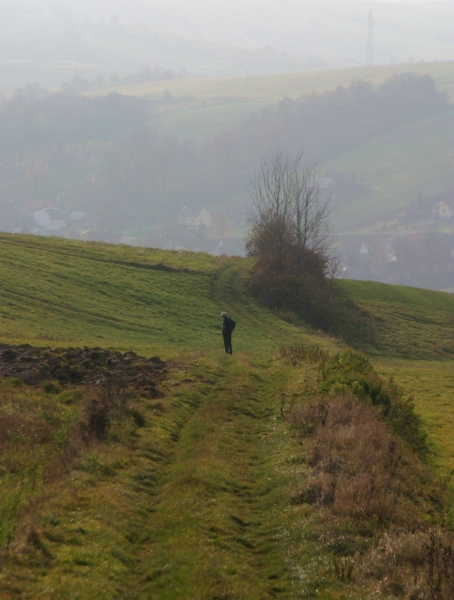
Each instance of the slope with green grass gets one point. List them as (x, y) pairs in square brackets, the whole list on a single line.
[(412, 341), (196, 493), (415, 159), (68, 293), (186, 506), (198, 499), (403, 322)]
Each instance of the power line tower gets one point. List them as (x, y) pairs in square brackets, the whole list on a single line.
[(370, 40)]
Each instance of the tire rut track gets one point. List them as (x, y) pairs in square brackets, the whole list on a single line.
[(209, 530)]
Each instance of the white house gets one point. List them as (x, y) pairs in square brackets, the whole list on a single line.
[(50, 219), (194, 217), (443, 210)]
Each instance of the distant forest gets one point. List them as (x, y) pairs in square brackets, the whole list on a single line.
[(103, 152)]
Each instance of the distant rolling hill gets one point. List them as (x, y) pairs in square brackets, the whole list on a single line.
[(195, 109), (416, 158), (394, 168), (47, 43)]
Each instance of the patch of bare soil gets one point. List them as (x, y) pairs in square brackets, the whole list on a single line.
[(82, 366)]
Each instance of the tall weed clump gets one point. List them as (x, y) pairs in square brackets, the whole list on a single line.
[(104, 403), (418, 564)]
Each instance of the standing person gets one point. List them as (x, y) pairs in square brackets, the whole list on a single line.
[(227, 327)]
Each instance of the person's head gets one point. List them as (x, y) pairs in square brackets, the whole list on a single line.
[(223, 314)]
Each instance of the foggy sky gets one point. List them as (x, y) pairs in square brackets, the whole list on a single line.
[(249, 23)]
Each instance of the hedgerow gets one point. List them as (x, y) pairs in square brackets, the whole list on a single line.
[(383, 512)]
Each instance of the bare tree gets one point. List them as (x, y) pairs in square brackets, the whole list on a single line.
[(289, 221), (269, 219)]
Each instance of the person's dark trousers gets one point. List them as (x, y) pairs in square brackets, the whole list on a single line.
[(228, 342)]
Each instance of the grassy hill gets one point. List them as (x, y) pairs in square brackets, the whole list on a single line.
[(395, 168), (64, 292), (127, 298), (199, 485), (411, 327)]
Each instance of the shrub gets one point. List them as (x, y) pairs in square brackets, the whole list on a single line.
[(354, 372), (107, 402), (366, 479), (99, 416), (51, 387)]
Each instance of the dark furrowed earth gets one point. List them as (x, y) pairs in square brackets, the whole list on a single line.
[(82, 366)]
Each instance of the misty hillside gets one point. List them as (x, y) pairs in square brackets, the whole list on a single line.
[(48, 43), (121, 164)]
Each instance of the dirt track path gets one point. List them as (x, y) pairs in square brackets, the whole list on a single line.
[(214, 526)]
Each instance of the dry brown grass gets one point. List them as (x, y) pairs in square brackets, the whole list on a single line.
[(378, 503), (297, 353), (360, 470), (417, 565)]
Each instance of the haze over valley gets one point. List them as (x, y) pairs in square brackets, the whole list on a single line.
[(49, 42), (145, 123)]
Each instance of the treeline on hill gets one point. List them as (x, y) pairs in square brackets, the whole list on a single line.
[(341, 119), (95, 152), (79, 83), (335, 121)]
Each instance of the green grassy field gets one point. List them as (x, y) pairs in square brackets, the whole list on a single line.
[(126, 298), (431, 383), (193, 494), (259, 89), (405, 322)]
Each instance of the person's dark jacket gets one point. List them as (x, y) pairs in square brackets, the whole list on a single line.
[(228, 325)]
